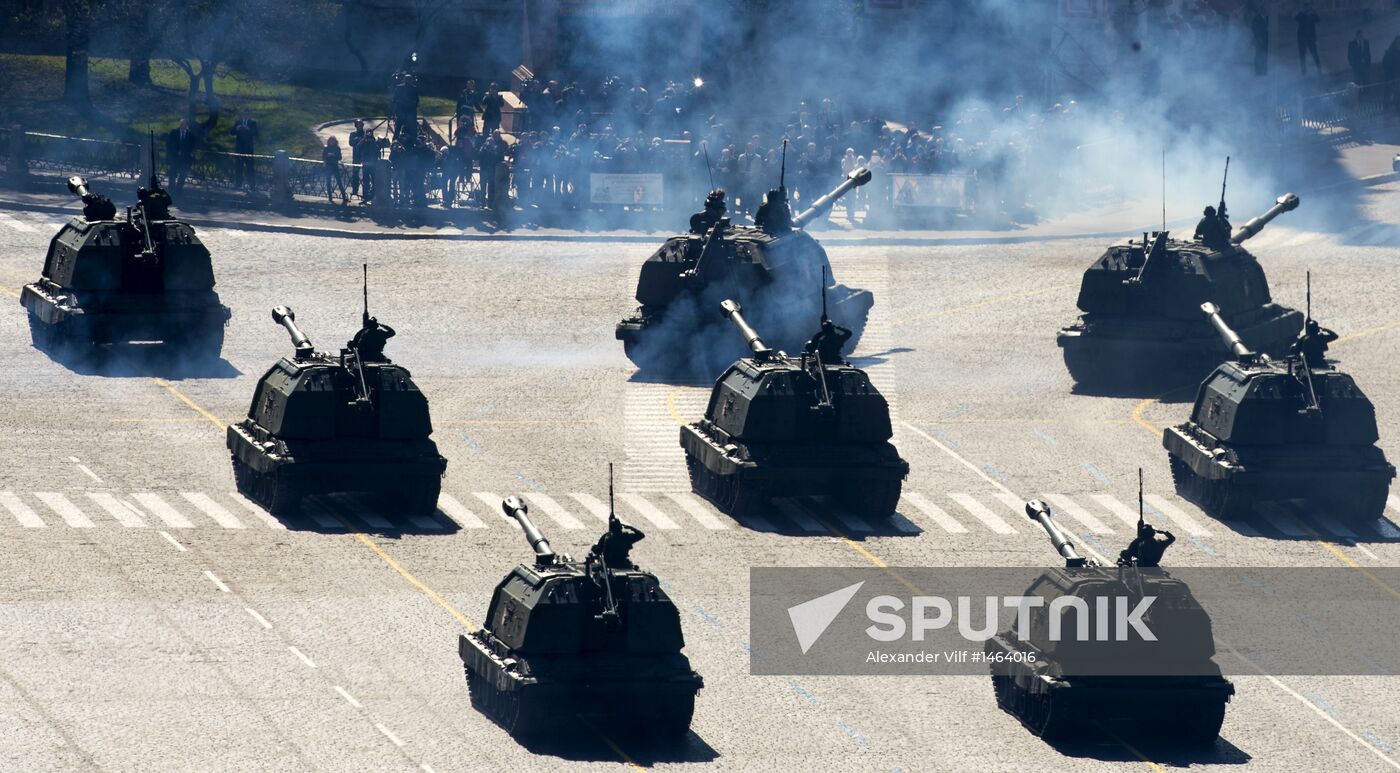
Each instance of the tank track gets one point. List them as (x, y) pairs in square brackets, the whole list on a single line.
[(1044, 714), (664, 718), (1355, 505), (278, 498), (730, 493), (876, 499), (205, 340), (58, 340)]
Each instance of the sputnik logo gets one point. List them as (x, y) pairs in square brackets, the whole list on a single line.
[(810, 619)]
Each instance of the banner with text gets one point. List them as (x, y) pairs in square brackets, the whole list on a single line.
[(641, 190)]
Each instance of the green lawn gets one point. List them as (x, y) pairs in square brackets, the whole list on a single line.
[(31, 90)]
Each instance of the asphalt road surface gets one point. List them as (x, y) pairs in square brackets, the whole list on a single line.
[(151, 619)]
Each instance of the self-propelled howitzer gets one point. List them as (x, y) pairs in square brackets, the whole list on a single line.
[(1141, 325), (352, 422), (118, 278), (1060, 681), (780, 426), (770, 266), (1268, 429), (597, 637)]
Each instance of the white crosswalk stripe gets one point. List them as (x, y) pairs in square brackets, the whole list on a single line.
[(493, 505), (213, 509), (935, 513), (22, 512), (593, 505), (1281, 520), (66, 510), (320, 514), (1064, 504), (349, 505), (1334, 527), (697, 510), (1176, 515), (649, 511), (850, 520), (266, 517), (554, 510), (1125, 514), (459, 512), (10, 222), (162, 510), (979, 511), (799, 515), (122, 512)]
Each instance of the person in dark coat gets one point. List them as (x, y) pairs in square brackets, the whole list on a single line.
[(1259, 38), (1307, 20), (1359, 57), (491, 106), (1390, 71), (180, 145), (362, 148), (330, 157), (492, 155), (245, 135)]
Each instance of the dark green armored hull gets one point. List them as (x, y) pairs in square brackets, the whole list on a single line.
[(866, 478), (651, 696), (277, 473), (1350, 482), (1114, 351), (1054, 706)]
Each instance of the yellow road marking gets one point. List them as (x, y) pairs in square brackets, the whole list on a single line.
[(8, 291), (618, 751), (513, 422), (167, 386), (671, 406), (1367, 331), (417, 583), (985, 302)]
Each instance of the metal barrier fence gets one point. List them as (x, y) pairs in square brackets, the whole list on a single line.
[(1346, 108)]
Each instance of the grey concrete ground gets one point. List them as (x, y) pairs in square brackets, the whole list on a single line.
[(149, 619)]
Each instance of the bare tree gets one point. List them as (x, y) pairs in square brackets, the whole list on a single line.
[(77, 36)]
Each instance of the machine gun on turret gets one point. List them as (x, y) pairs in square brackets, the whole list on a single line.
[(284, 316), (152, 204), (95, 205), (761, 351)]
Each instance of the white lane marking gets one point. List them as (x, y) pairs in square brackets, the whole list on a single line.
[(17, 225), (459, 512), (1334, 527), (697, 510), (217, 582), (493, 505), (263, 515), (1333, 721), (350, 699), (22, 512), (969, 465), (124, 513), (554, 510), (427, 768), (85, 469), (850, 520), (261, 620), (1366, 552), (1280, 520), (320, 514), (173, 541), (1177, 515), (593, 505), (796, 513), (388, 734), (1125, 514), (980, 512), (66, 510), (935, 514), (303, 657), (213, 509), (351, 506), (162, 510), (1068, 506), (649, 511)]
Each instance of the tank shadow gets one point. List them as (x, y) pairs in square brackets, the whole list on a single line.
[(589, 744), (348, 513), (142, 361), (1169, 391), (1292, 520), (879, 358), (821, 517), (1160, 750)]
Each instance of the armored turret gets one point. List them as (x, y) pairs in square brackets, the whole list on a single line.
[(782, 426), (1267, 429), (139, 276), (352, 422), (1141, 329), (1062, 681), (598, 638), (768, 266)]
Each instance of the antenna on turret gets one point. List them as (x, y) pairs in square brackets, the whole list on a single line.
[(1140, 506), (782, 167), (824, 317), (155, 181), (705, 147), (1309, 306), (612, 509), (1220, 213), (1164, 191), (365, 318)]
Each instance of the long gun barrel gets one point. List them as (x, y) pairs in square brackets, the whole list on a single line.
[(1232, 339), (751, 337), (78, 187), (285, 317), (1039, 512), (515, 508), (1285, 203), (855, 179)]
